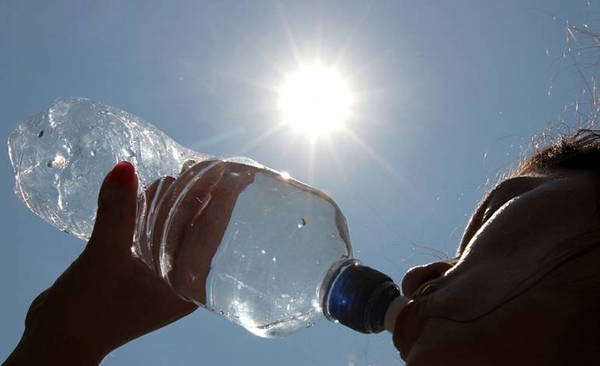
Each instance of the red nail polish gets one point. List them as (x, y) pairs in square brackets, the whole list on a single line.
[(123, 174)]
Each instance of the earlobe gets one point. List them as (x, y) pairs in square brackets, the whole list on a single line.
[(416, 276)]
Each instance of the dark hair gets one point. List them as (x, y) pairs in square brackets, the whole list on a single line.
[(567, 150), (579, 150)]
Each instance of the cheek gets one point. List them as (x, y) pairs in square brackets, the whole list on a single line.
[(527, 229), (520, 245), (527, 330), (466, 294)]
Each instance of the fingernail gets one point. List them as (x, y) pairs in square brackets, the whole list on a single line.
[(123, 174)]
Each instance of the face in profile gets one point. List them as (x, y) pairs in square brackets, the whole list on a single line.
[(521, 288)]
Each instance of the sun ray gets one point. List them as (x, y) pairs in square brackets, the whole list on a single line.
[(379, 160), (370, 63), (288, 32), (216, 139), (262, 137), (341, 55), (319, 31), (337, 163)]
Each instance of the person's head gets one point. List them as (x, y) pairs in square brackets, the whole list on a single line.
[(524, 287)]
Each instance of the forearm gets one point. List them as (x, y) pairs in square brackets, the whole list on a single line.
[(106, 298), (53, 350)]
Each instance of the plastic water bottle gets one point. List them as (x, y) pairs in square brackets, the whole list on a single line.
[(260, 248)]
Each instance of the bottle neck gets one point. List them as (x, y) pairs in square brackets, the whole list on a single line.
[(359, 297), (391, 315)]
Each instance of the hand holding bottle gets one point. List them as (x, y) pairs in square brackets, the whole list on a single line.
[(195, 228), (256, 246), (106, 297)]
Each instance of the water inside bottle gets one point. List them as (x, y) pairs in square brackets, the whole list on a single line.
[(246, 242), (237, 238)]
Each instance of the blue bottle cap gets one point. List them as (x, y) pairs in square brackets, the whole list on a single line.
[(359, 298)]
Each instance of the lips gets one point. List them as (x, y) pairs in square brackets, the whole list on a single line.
[(408, 329)]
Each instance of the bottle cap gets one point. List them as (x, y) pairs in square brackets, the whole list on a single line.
[(360, 297)]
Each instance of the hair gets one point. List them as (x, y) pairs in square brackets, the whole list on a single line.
[(579, 150), (565, 151)]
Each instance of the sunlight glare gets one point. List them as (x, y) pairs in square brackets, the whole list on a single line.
[(314, 100)]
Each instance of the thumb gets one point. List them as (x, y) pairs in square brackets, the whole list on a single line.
[(117, 204)]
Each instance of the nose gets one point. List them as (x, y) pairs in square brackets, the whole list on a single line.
[(416, 276)]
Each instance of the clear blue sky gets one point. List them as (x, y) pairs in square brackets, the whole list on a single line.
[(450, 90)]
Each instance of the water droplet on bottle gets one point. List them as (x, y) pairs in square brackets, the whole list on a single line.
[(41, 134), (302, 223), (59, 161), (128, 152), (274, 260), (93, 153), (263, 251)]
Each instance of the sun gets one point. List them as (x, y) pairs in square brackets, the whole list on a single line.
[(314, 100)]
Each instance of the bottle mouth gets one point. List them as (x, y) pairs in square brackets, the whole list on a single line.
[(359, 297)]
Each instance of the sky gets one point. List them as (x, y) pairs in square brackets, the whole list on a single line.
[(447, 95)]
